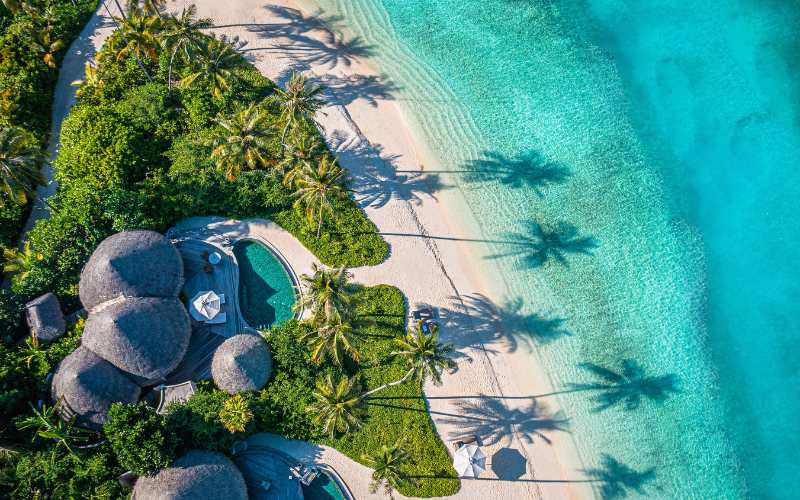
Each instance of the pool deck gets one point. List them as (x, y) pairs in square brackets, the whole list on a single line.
[(194, 237)]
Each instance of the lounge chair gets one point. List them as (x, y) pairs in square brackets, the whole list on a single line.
[(218, 319)]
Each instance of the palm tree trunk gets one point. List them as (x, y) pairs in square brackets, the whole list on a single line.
[(386, 386), (169, 73), (319, 226), (139, 62), (283, 135)]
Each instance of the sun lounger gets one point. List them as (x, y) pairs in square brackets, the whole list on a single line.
[(218, 319)]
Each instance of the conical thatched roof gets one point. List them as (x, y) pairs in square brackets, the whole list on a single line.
[(241, 363), (45, 318), (146, 337), (85, 385), (132, 264), (198, 475)]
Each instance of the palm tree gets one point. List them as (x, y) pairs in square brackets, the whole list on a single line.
[(628, 387), (317, 186), (139, 32), (326, 294), (215, 60), (337, 406), (388, 473), (49, 425), (332, 340), (183, 36), (427, 358), (299, 102), (20, 262), (47, 45), (91, 80), (19, 165), (297, 156), (149, 7), (244, 141)]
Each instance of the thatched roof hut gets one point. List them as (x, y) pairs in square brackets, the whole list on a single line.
[(145, 337), (241, 363), (45, 318), (198, 475), (85, 385), (131, 264)]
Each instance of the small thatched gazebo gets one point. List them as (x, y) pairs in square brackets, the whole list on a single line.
[(145, 337), (85, 385), (198, 475), (131, 264), (45, 318), (241, 363)]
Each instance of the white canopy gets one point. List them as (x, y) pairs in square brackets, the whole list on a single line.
[(207, 305), (469, 461)]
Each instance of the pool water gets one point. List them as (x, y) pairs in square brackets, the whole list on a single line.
[(266, 293), (324, 487)]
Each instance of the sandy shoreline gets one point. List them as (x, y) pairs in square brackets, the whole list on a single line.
[(434, 256), (428, 262)]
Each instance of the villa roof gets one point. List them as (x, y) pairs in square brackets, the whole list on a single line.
[(45, 318), (131, 264), (198, 475), (145, 337), (241, 363), (85, 385)]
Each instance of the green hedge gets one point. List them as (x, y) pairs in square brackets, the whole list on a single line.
[(27, 83)]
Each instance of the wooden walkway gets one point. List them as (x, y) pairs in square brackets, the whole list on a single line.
[(223, 279)]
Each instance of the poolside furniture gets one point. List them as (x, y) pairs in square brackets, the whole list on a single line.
[(469, 461), (45, 319), (218, 319), (215, 258), (305, 473), (205, 306), (473, 439), (424, 313)]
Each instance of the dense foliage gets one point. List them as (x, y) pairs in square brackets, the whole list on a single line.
[(139, 151), (32, 45)]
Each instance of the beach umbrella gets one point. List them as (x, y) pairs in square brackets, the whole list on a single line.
[(207, 304), (469, 461)]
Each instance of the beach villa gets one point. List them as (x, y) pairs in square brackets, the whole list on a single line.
[(144, 340)]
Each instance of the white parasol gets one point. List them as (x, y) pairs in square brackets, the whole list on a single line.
[(207, 304), (469, 461)]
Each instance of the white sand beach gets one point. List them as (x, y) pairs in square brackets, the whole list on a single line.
[(432, 258)]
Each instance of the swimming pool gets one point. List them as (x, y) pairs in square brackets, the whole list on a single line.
[(266, 291), (323, 487)]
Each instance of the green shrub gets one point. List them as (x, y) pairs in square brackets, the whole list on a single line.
[(11, 217), (197, 423), (140, 438), (56, 474)]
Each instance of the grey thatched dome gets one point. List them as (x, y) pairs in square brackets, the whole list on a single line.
[(146, 337), (85, 385), (45, 318), (198, 475), (133, 264), (241, 363)]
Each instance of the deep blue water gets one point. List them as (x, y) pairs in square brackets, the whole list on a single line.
[(651, 147)]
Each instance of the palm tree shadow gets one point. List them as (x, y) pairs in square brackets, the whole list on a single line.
[(494, 422), (628, 387), (491, 325), (618, 479), (542, 243), (374, 177), (344, 90), (530, 169)]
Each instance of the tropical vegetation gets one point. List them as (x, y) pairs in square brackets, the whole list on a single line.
[(172, 123)]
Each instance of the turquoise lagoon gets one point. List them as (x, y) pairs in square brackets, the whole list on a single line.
[(633, 168)]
